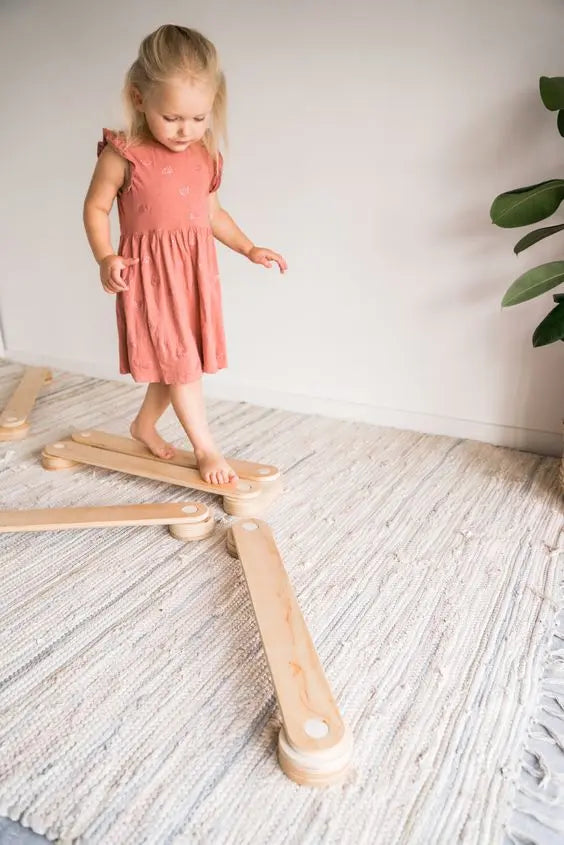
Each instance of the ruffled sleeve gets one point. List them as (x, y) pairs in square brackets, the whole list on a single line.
[(116, 140), (216, 172)]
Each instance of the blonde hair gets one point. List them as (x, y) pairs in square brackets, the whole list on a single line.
[(171, 51)]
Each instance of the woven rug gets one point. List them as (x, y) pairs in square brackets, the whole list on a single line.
[(135, 700)]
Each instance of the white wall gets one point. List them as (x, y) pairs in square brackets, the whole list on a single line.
[(367, 142)]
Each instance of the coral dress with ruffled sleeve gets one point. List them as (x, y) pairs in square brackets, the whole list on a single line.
[(170, 322)]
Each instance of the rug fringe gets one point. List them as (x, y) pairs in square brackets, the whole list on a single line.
[(539, 790)]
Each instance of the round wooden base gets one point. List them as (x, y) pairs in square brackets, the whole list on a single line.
[(14, 432), (192, 531), (52, 463), (315, 768), (241, 507), (256, 505)]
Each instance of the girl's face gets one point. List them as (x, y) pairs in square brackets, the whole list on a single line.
[(177, 112)]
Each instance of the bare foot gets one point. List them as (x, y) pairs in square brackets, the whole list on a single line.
[(213, 467), (152, 440)]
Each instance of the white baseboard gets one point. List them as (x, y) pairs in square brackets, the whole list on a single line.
[(513, 437)]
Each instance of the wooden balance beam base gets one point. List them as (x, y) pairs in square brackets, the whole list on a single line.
[(241, 498), (314, 745), (185, 520), (14, 423)]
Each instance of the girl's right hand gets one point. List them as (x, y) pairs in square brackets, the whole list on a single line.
[(111, 268)]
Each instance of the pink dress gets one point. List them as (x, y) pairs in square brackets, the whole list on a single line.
[(170, 323)]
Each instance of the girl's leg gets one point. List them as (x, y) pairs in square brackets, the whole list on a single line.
[(188, 402), (157, 400)]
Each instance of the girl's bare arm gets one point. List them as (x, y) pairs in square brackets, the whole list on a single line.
[(109, 176), (227, 232)]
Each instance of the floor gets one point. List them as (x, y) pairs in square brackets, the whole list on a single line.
[(137, 705)]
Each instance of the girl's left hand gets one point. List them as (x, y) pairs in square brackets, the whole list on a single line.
[(261, 255)]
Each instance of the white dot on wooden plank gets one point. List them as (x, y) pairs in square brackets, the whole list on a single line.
[(316, 728), (190, 509), (249, 526)]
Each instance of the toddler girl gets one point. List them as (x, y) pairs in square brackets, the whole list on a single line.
[(165, 172)]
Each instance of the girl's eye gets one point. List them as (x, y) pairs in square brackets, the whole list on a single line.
[(199, 119), (169, 119)]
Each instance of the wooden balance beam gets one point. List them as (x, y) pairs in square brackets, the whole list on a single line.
[(185, 520), (314, 744), (240, 498), (14, 423), (261, 473)]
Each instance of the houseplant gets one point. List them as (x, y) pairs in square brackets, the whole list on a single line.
[(525, 206)]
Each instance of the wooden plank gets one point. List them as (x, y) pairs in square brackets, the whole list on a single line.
[(59, 519), (22, 400), (312, 721), (68, 450), (183, 458)]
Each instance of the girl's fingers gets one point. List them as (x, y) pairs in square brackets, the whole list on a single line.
[(269, 256), (281, 263), (110, 287), (116, 279)]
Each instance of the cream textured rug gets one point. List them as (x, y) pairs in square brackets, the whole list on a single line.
[(135, 702)]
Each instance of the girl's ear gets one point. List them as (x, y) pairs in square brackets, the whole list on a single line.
[(137, 99)]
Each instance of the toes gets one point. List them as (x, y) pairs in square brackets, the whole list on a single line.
[(218, 475)]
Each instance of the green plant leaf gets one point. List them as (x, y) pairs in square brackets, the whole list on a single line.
[(523, 206), (552, 92), (552, 327), (536, 236), (560, 122), (534, 282)]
